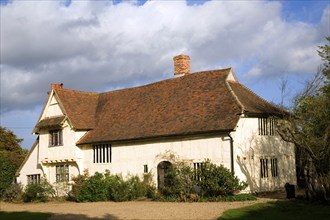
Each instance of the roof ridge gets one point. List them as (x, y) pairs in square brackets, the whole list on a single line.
[(233, 93), (140, 86), (78, 91)]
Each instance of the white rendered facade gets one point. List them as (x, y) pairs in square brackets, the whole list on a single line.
[(250, 150)]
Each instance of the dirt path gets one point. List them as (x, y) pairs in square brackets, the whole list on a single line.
[(129, 210)]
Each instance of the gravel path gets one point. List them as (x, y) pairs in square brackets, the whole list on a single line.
[(129, 210)]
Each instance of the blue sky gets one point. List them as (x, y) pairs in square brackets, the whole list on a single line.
[(107, 45)]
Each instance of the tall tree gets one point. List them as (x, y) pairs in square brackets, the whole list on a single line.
[(309, 129), (11, 156)]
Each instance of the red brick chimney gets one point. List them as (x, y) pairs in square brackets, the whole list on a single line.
[(181, 65), (56, 86)]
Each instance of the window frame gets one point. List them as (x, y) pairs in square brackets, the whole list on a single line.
[(102, 153), (267, 126), (198, 168), (33, 178), (56, 138), (145, 168), (264, 167), (62, 172), (274, 166)]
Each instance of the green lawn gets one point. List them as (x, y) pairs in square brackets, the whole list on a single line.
[(280, 210), (24, 216)]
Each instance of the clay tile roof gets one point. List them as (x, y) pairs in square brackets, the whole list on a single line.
[(79, 107), (196, 103), (252, 103)]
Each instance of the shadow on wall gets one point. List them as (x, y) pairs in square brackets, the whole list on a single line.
[(267, 147)]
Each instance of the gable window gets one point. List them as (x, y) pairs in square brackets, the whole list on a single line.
[(33, 179), (273, 167), (102, 153), (264, 167), (267, 126), (62, 173), (197, 170), (55, 138)]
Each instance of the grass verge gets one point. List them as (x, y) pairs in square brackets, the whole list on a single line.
[(24, 215), (283, 210)]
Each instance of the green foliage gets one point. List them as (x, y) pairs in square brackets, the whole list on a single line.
[(309, 130), (95, 189), (13, 193), (79, 182), (218, 181), (284, 210), (104, 187), (212, 183), (312, 132), (179, 182), (38, 192), (324, 53), (238, 197), (9, 141), (11, 156), (9, 162)]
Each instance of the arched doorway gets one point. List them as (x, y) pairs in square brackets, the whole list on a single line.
[(162, 169)]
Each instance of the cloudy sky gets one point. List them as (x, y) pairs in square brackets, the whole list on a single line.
[(107, 45)]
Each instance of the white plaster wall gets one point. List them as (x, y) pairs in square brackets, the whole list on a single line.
[(30, 167), (130, 158), (68, 150), (52, 108), (249, 147)]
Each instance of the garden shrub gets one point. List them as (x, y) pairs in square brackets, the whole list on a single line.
[(13, 193), (117, 188), (103, 187), (137, 189), (179, 182), (78, 183), (38, 192), (218, 181), (149, 185), (95, 189)]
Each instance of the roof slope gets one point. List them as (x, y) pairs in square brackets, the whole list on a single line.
[(252, 103), (196, 103), (79, 107)]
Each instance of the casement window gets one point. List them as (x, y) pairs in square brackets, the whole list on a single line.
[(145, 168), (264, 167), (55, 138), (197, 170), (273, 166), (264, 164), (33, 179), (102, 153), (62, 173), (267, 126)]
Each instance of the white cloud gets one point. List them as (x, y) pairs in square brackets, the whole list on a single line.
[(95, 45)]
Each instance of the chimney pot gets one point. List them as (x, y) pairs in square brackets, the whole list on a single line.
[(56, 85), (181, 65)]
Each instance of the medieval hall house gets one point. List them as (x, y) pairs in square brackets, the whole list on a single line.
[(194, 116)]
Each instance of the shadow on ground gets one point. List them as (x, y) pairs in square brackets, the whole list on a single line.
[(281, 194), (49, 216), (80, 217), (282, 209)]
